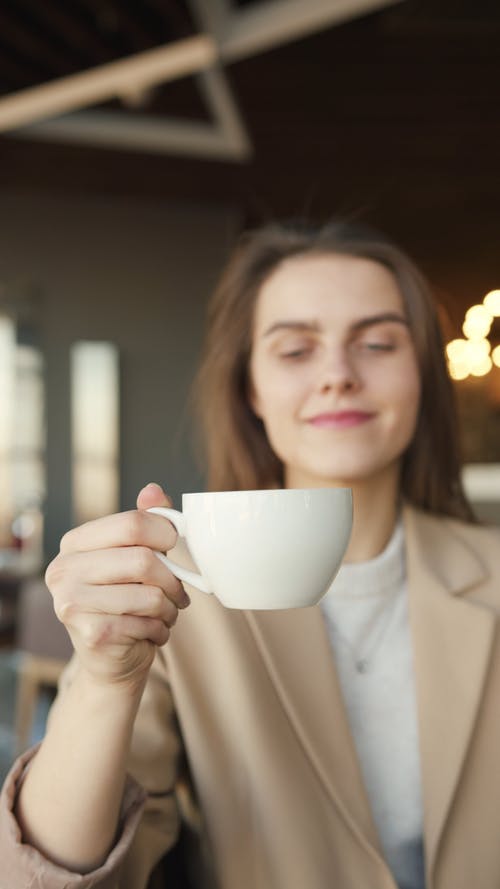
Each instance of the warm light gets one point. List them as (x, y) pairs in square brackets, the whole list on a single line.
[(482, 367), (456, 350), (458, 371), (468, 357), (478, 350), (477, 322), (492, 302), (471, 357), (472, 354)]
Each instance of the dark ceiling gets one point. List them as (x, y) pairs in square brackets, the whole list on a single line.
[(44, 39), (393, 117)]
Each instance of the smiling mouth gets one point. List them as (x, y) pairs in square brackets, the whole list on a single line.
[(340, 419)]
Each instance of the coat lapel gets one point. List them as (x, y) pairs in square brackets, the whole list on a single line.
[(452, 639), (296, 650)]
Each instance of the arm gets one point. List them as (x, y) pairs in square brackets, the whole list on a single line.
[(118, 602), (70, 801)]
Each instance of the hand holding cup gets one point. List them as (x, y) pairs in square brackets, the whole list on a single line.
[(116, 599)]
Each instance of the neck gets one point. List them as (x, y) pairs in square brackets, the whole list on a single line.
[(375, 512)]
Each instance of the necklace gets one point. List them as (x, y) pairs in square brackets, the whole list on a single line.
[(362, 655), (385, 577)]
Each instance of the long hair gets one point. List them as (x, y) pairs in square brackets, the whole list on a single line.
[(236, 451)]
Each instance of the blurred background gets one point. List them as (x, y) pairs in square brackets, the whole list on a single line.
[(136, 140)]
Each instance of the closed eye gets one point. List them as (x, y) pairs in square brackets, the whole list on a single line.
[(295, 354), (378, 347)]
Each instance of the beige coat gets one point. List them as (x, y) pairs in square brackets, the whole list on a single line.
[(268, 748)]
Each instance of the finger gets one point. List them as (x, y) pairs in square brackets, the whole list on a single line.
[(132, 528), (119, 565), (136, 599), (152, 495), (98, 631)]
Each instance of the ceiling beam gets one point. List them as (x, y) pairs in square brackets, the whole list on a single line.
[(223, 138), (134, 74), (152, 135), (262, 26), (233, 34)]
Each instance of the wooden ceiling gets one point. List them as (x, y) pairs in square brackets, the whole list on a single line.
[(44, 39), (393, 117)]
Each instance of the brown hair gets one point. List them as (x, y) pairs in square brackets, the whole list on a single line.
[(236, 450)]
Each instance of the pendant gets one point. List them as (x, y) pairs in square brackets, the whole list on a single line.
[(362, 665)]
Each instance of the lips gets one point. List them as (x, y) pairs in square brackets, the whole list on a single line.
[(340, 419)]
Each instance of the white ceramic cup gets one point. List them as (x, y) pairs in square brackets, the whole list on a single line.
[(263, 549)]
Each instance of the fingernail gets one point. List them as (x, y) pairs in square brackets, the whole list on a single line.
[(185, 600), (153, 486)]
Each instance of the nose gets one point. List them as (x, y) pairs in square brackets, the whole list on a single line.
[(338, 373)]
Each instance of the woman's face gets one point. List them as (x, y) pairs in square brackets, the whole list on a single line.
[(333, 370)]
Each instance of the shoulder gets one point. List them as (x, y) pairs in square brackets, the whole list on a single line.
[(475, 532), (457, 548), (484, 539)]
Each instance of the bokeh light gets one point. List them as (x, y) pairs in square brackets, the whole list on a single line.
[(477, 322), (481, 367), (492, 302), (473, 354)]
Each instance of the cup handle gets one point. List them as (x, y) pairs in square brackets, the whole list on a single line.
[(179, 523)]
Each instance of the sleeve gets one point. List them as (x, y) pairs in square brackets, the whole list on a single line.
[(149, 819)]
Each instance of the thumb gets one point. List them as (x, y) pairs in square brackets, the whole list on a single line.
[(152, 495)]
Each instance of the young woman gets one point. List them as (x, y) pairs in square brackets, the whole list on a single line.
[(348, 745)]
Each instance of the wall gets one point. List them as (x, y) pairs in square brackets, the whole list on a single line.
[(134, 272)]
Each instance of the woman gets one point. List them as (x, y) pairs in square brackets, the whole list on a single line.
[(352, 744)]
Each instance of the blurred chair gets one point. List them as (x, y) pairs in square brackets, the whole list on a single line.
[(44, 647)]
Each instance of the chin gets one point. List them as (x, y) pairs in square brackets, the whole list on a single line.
[(346, 474), (335, 466)]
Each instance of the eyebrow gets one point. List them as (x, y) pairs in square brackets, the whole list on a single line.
[(369, 321)]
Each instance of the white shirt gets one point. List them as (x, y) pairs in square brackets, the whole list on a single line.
[(366, 613)]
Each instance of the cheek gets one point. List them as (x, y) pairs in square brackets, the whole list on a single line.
[(406, 398), (273, 392)]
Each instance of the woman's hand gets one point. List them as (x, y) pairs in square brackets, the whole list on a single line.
[(115, 597)]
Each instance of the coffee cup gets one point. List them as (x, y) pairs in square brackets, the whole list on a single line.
[(265, 549)]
